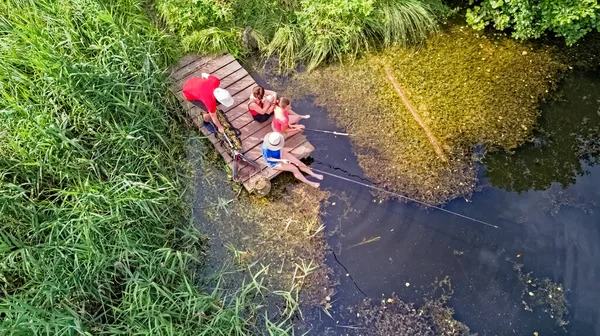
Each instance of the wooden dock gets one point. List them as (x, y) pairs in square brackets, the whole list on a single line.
[(239, 83)]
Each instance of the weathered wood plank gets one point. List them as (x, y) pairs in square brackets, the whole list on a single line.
[(217, 63), (242, 121), (250, 130), (227, 70), (240, 85), (190, 68), (185, 60), (234, 78), (228, 75)]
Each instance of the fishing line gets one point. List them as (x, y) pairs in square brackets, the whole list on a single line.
[(330, 132), (347, 272), (406, 198), (344, 171)]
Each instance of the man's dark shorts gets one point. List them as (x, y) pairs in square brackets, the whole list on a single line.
[(261, 117), (199, 104)]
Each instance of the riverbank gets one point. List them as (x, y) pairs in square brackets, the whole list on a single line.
[(464, 89), (278, 240)]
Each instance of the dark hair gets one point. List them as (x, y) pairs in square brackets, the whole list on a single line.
[(258, 92), (284, 102)]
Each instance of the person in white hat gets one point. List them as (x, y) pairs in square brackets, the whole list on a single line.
[(204, 93), (276, 157)]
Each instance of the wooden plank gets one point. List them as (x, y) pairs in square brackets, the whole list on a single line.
[(190, 68), (240, 85), (217, 63), (229, 82), (250, 130), (228, 70), (240, 98), (242, 121), (224, 74), (185, 60), (235, 111)]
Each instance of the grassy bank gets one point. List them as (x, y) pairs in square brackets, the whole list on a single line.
[(468, 88), (95, 236), (281, 236)]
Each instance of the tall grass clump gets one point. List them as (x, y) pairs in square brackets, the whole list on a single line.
[(94, 237), (307, 32)]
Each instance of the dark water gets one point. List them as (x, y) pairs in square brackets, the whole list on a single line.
[(545, 199)]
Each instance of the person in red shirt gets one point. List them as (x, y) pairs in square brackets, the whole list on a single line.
[(204, 93)]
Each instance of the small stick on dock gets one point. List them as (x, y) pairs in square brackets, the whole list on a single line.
[(432, 139)]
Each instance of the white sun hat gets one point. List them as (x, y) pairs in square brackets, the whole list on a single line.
[(223, 96), (274, 141)]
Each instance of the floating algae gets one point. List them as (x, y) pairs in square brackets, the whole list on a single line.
[(392, 316), (468, 88), (543, 293)]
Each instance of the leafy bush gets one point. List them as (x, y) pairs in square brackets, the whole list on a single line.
[(202, 25), (94, 237), (530, 19)]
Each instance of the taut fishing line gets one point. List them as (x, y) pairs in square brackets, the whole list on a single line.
[(406, 198)]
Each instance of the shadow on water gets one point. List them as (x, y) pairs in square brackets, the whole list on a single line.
[(554, 229)]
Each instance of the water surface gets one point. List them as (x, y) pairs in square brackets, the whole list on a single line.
[(544, 199)]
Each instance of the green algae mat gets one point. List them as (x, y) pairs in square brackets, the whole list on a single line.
[(463, 89)]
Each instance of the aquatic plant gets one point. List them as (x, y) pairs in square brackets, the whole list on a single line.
[(543, 293), (564, 143), (469, 89), (392, 316)]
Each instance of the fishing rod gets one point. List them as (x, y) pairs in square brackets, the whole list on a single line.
[(406, 198), (330, 132)]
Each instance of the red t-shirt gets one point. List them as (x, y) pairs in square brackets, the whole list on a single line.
[(202, 89)]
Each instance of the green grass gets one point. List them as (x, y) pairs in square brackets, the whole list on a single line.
[(94, 236), (300, 32)]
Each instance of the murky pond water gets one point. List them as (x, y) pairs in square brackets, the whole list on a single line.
[(545, 199)]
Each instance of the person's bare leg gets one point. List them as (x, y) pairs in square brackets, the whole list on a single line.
[(297, 174), (300, 116), (294, 119), (206, 117), (301, 165)]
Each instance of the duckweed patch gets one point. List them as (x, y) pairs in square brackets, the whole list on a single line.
[(392, 316), (469, 88), (567, 140), (543, 293)]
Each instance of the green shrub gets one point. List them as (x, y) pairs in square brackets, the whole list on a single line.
[(202, 25), (530, 19), (94, 236)]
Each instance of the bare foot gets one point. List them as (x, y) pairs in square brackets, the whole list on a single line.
[(315, 184), (306, 116), (317, 176)]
